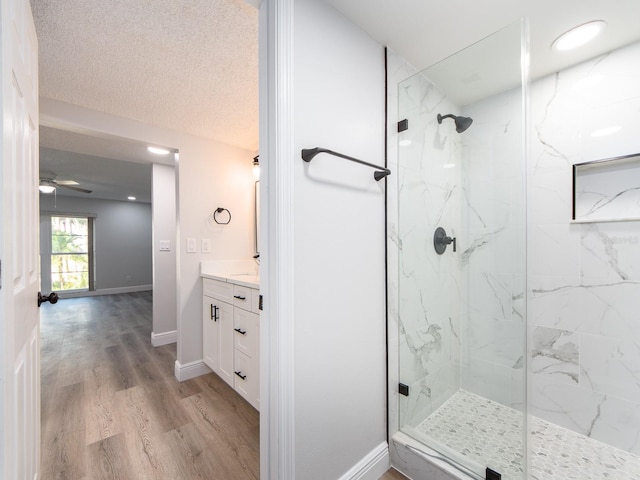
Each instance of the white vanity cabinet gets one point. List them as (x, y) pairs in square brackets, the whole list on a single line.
[(217, 328), (231, 335)]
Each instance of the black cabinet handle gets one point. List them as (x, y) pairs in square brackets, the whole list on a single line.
[(240, 331), (240, 375), (214, 313), (239, 297)]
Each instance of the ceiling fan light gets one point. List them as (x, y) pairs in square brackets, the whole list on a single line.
[(46, 188)]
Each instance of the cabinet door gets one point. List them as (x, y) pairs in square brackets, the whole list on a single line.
[(246, 332), (217, 289), (210, 333), (217, 329), (225, 342), (242, 297), (247, 381)]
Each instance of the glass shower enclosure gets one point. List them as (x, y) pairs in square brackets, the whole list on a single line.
[(462, 256)]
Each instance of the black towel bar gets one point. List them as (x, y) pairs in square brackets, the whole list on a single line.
[(309, 153)]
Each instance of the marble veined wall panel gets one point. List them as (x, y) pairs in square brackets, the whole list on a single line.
[(492, 243), (429, 284), (584, 279)]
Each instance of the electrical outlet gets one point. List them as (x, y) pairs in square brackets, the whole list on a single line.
[(191, 245), (206, 245)]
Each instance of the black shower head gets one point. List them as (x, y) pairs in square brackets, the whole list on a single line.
[(462, 123)]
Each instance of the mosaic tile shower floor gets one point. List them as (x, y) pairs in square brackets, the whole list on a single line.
[(490, 434)]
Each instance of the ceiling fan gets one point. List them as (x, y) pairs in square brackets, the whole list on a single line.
[(49, 185)]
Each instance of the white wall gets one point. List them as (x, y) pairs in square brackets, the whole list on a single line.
[(122, 239), (336, 263), (210, 174), (164, 262)]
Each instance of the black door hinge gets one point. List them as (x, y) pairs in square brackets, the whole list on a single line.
[(403, 125), (403, 389)]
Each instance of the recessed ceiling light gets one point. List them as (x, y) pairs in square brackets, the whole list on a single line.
[(158, 150), (578, 36), (131, 198), (606, 131)]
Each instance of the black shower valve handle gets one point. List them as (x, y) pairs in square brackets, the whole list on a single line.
[(441, 240), (449, 241)]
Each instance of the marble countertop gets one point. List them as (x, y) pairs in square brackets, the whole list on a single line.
[(248, 279)]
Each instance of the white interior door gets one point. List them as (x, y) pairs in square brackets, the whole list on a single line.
[(19, 319)]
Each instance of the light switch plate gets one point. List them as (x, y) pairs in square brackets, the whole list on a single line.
[(191, 245), (206, 245), (165, 245)]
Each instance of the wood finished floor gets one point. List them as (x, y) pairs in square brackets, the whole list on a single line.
[(112, 408), (393, 474)]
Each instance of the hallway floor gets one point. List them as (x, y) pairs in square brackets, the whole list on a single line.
[(112, 408)]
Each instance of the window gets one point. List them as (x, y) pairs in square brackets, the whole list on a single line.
[(71, 253)]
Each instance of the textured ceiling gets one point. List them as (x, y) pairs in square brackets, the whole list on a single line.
[(192, 65), (187, 65)]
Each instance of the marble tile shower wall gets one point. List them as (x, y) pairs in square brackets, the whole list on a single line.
[(492, 245), (429, 284), (584, 279)]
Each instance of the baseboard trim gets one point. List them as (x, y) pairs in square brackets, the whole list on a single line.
[(106, 291), (164, 338), (190, 370), (372, 466)]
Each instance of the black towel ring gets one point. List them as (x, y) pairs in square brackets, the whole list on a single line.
[(220, 210)]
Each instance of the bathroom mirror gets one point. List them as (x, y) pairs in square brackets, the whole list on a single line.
[(256, 216), (607, 190)]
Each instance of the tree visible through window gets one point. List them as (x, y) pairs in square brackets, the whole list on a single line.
[(70, 253)]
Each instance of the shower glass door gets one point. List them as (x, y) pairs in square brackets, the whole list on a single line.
[(462, 256)]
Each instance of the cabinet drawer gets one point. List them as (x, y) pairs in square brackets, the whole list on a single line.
[(242, 297), (247, 378), (217, 289), (246, 327), (255, 300)]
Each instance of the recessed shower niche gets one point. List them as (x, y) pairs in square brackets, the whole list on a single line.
[(607, 190)]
